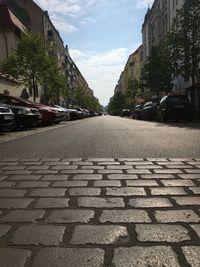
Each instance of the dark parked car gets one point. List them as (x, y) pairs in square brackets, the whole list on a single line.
[(47, 114), (86, 113), (137, 113), (174, 107), (73, 114), (6, 118), (149, 111), (24, 117), (92, 113), (125, 113), (80, 112)]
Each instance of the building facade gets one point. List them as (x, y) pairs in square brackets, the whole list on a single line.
[(11, 29), (131, 72), (26, 14), (157, 23)]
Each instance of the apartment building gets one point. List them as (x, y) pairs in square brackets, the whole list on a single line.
[(10, 31), (75, 78), (27, 14), (157, 22), (132, 70), (156, 25), (172, 6)]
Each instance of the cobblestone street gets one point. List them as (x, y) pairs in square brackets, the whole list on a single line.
[(99, 212)]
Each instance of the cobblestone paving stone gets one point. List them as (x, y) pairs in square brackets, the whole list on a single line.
[(126, 212)]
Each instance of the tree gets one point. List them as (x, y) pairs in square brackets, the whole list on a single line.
[(30, 63), (117, 103), (157, 70), (80, 97), (133, 90), (87, 101), (152, 71), (56, 81), (185, 41)]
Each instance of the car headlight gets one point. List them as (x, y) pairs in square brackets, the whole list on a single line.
[(24, 111)]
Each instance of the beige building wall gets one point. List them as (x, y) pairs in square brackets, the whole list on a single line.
[(35, 14), (54, 41), (41, 23), (8, 42)]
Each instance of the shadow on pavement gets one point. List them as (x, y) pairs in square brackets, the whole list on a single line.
[(186, 125)]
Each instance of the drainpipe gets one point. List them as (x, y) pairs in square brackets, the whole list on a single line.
[(6, 42)]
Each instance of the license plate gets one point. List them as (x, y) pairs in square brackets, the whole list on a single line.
[(8, 117)]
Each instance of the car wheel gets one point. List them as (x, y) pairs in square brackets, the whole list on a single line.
[(10, 128)]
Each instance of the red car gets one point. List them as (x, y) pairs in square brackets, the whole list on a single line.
[(48, 115)]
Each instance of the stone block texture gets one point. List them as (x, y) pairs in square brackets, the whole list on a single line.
[(100, 212)]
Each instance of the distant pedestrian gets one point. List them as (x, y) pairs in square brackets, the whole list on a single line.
[(24, 94)]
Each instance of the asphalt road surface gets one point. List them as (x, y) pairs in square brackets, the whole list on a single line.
[(105, 136)]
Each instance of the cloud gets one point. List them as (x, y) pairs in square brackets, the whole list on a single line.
[(86, 21), (101, 70), (144, 3), (61, 24), (66, 7), (71, 8), (60, 12)]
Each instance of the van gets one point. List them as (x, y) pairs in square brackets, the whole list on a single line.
[(174, 107)]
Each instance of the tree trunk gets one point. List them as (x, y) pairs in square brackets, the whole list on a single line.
[(34, 90)]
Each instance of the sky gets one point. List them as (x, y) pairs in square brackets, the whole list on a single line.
[(100, 35)]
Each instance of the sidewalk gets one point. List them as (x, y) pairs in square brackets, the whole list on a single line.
[(100, 212)]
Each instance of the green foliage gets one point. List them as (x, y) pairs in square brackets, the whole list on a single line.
[(185, 41), (56, 80), (87, 101), (116, 104), (157, 71), (133, 91), (31, 66), (134, 88)]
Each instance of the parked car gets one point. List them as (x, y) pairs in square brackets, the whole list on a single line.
[(80, 112), (174, 107), (6, 118), (73, 114), (149, 110), (125, 113), (25, 117), (86, 113), (137, 113), (47, 114), (62, 113), (92, 113)]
